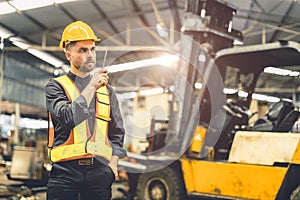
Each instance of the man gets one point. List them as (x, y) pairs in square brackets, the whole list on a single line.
[(86, 135)]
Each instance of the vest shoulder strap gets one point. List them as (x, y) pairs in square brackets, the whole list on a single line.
[(69, 87)]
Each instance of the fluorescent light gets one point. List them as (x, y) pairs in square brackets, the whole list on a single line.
[(63, 1), (273, 99), (1, 44), (202, 13), (46, 57), (163, 61), (19, 42), (30, 4), (126, 95), (153, 91), (33, 123), (229, 27), (202, 58), (243, 94), (4, 33), (161, 31), (56, 72), (288, 100), (198, 85), (229, 91), (281, 72), (13, 5), (237, 42), (172, 88), (5, 8), (21, 45), (6, 123), (262, 97)]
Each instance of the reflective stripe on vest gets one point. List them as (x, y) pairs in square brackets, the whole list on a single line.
[(81, 143)]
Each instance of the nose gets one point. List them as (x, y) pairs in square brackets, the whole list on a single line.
[(90, 52)]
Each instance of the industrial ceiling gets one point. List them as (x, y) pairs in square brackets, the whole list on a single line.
[(119, 22), (127, 26)]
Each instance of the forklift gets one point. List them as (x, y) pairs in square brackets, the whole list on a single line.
[(207, 148)]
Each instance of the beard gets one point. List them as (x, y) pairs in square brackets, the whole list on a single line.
[(87, 66)]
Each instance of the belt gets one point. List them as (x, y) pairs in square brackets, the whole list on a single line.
[(85, 162), (89, 162)]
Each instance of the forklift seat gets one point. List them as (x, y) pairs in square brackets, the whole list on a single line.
[(280, 118), (288, 122)]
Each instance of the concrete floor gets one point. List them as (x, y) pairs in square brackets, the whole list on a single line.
[(41, 195)]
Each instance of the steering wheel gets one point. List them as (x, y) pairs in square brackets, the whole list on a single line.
[(236, 109)]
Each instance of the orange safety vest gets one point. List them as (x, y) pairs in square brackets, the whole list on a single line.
[(78, 145)]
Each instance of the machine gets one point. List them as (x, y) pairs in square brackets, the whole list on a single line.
[(207, 147)]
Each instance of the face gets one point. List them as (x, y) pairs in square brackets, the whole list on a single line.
[(82, 55)]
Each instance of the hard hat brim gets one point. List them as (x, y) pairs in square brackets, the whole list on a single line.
[(63, 44)]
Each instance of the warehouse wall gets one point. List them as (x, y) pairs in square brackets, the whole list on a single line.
[(24, 79)]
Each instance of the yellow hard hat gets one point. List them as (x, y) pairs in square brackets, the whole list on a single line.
[(77, 31)]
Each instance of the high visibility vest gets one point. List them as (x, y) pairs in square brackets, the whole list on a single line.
[(81, 143)]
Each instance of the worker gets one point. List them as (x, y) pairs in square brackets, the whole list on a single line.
[(85, 126)]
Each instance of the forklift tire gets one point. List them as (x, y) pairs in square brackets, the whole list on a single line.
[(296, 194), (163, 184)]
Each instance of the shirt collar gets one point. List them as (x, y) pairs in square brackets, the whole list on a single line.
[(82, 82)]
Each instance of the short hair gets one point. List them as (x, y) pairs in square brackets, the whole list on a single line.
[(69, 45)]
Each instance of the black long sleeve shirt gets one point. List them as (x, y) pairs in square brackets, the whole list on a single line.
[(66, 115)]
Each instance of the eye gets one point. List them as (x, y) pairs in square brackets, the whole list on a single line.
[(82, 50), (93, 50)]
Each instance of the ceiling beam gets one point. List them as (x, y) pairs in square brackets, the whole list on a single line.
[(260, 6), (152, 33), (264, 15), (108, 36), (246, 26), (277, 90), (272, 29), (283, 20), (175, 14), (136, 8), (102, 13), (267, 24), (98, 48), (252, 12), (65, 11)]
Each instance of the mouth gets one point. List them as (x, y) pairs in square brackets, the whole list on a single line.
[(90, 63)]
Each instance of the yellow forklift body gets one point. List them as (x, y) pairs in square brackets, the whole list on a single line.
[(232, 179), (256, 168), (198, 139), (296, 157)]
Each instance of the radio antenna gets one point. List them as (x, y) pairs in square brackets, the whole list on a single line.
[(104, 59)]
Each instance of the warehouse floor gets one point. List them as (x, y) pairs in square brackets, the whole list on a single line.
[(41, 194)]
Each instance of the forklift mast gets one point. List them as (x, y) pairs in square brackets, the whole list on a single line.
[(207, 28)]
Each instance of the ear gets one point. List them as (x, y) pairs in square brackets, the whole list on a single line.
[(68, 55)]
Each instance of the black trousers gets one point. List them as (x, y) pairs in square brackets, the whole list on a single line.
[(71, 181)]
